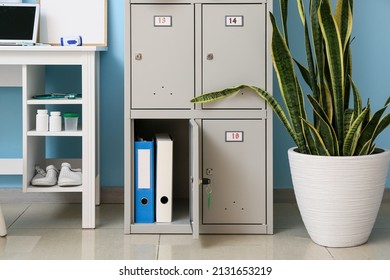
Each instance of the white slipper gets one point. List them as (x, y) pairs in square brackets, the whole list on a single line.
[(69, 176), (44, 178)]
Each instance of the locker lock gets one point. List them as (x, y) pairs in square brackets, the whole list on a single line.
[(138, 56), (210, 56), (206, 181)]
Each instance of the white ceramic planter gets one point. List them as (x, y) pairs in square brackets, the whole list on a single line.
[(339, 197)]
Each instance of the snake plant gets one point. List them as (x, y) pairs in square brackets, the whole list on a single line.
[(335, 129)]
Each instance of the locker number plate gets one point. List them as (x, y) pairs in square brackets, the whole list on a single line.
[(237, 21), (163, 21), (234, 136)]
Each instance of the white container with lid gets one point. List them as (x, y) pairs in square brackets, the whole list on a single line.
[(71, 121), (55, 121), (42, 120)]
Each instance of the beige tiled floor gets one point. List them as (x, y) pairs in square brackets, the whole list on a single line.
[(52, 231)]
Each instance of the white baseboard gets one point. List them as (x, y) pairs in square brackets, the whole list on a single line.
[(288, 196), (116, 195), (107, 195)]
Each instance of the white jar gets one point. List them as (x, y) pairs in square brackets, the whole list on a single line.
[(42, 120), (55, 121)]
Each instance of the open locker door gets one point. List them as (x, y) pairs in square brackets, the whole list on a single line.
[(194, 177)]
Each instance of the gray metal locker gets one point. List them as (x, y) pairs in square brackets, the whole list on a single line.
[(162, 54), (175, 50), (234, 52), (234, 157)]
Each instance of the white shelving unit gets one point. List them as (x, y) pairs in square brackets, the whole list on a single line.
[(30, 63)]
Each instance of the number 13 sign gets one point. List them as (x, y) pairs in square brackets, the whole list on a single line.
[(164, 21)]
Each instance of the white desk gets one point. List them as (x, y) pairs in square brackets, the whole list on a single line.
[(25, 67)]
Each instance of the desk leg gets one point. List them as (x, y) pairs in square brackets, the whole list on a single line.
[(90, 141)]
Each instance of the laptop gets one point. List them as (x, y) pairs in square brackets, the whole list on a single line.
[(18, 24)]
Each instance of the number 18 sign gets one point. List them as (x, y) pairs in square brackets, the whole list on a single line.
[(234, 136)]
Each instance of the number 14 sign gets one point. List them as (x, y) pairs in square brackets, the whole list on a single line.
[(234, 21)]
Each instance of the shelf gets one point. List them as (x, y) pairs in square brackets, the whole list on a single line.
[(180, 221), (77, 133), (55, 101), (56, 189), (31, 65)]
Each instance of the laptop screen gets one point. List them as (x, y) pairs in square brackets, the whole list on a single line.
[(19, 23)]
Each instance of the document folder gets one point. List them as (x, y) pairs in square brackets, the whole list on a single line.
[(144, 182), (164, 170)]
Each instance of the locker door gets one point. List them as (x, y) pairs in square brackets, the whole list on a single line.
[(194, 180), (234, 162), (162, 66), (234, 52)]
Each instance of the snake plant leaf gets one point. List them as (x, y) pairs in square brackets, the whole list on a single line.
[(304, 72), (324, 127), (216, 95), (291, 92), (369, 131), (383, 124), (352, 137), (320, 145), (318, 108), (318, 46), (310, 143), (316, 29), (347, 73), (372, 149), (284, 15), (365, 149), (351, 5), (348, 120), (357, 100), (309, 51), (301, 10), (327, 102), (368, 116), (327, 136), (334, 56), (343, 17), (274, 104), (300, 99), (326, 93)]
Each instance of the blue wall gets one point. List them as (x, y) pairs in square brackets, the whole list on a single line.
[(371, 53)]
